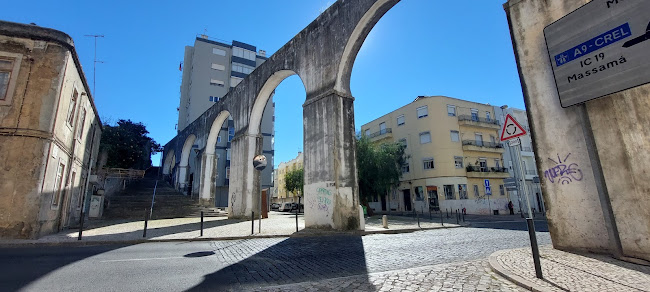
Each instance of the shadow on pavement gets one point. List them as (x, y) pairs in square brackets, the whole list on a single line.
[(20, 266), (291, 261)]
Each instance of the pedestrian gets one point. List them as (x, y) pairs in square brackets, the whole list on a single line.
[(511, 207)]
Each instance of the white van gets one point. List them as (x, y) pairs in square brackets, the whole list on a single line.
[(285, 207)]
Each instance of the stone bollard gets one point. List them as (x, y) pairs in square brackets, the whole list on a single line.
[(384, 221)]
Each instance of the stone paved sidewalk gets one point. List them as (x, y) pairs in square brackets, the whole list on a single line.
[(565, 271), (460, 276), (278, 224)]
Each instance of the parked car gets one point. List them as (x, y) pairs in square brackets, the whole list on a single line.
[(285, 207), (275, 206)]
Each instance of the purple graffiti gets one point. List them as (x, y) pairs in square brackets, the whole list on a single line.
[(562, 172)]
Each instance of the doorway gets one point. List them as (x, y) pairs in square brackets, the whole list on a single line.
[(433, 200), (407, 200)]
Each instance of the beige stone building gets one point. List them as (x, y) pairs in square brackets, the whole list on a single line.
[(49, 132), (454, 156), (283, 196)]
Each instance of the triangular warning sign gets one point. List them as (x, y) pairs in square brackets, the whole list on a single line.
[(511, 129)]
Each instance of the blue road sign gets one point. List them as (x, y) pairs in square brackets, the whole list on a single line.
[(486, 183), (488, 190)]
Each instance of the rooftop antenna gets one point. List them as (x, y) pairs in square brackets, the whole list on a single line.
[(95, 58)]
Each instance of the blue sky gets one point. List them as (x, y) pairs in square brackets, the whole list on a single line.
[(460, 49)]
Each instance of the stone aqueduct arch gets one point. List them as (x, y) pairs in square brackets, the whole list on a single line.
[(322, 55)]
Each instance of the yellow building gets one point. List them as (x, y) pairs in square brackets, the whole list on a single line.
[(454, 156), (282, 196)]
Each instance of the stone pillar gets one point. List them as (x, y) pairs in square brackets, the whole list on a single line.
[(331, 193), (244, 181), (208, 178), (182, 177)]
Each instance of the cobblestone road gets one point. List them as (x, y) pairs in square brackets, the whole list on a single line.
[(433, 260), (262, 262)]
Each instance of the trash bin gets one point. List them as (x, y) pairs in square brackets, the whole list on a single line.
[(496, 212)]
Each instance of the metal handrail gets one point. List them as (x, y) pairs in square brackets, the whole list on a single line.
[(482, 144), (381, 132), (478, 119)]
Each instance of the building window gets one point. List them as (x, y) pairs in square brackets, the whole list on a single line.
[(476, 194), (458, 161), (243, 53), (487, 116), (228, 172), (449, 192), (479, 139), (242, 68), (497, 163), (427, 163), (367, 133), (219, 52), (228, 154), (218, 67), (6, 68), (58, 184), (403, 142), (451, 110), (423, 111), (82, 123), (493, 140), (462, 192), (425, 137), (483, 164), (400, 120), (474, 115), (231, 133), (406, 168), (419, 193), (214, 98), (73, 107), (218, 139), (382, 128), (455, 136), (217, 82), (502, 190)]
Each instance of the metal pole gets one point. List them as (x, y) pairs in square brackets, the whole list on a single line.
[(430, 217), (81, 224), (146, 219), (201, 223), (417, 216), (457, 217), (533, 244), (442, 222), (297, 208), (252, 222), (522, 179)]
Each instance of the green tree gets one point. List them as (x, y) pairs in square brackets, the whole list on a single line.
[(379, 167), (127, 145), (294, 181)]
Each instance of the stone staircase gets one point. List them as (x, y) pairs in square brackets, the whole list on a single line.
[(132, 202)]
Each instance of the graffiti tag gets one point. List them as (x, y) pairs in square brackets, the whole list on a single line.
[(563, 172)]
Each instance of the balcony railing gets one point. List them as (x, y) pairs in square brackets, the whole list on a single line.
[(482, 144), (381, 132), (475, 168), (477, 119)]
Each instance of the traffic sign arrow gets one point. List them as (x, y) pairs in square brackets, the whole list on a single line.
[(511, 129)]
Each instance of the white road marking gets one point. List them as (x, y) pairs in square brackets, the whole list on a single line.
[(144, 259)]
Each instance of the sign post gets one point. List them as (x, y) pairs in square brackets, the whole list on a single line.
[(259, 163), (513, 130)]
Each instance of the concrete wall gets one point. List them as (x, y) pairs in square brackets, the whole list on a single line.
[(46, 151), (576, 218)]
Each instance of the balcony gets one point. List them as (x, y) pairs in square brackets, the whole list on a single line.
[(482, 146), (486, 172), (381, 135), (468, 120)]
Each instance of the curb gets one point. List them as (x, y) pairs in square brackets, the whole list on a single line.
[(139, 241), (503, 272)]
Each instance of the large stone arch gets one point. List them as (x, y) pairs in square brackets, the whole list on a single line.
[(184, 161), (209, 161), (322, 55), (168, 165)]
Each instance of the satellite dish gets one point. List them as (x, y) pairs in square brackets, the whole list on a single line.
[(259, 162)]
